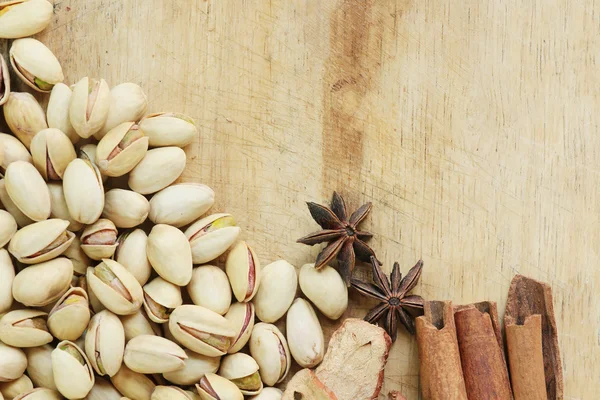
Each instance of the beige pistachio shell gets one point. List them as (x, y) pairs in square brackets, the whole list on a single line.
[(196, 366), (160, 298), (22, 219), (41, 241), (7, 275), (52, 151), (304, 334), (180, 204), (210, 288), (35, 64), (270, 350), (121, 149), (325, 289), (115, 287), (39, 366), (24, 328), (138, 324), (244, 272), (242, 370), (133, 384), (28, 191), (12, 363), (73, 374), (99, 240), (13, 150), (59, 207), (215, 387), (24, 116), (128, 102), (268, 393), (4, 81), (22, 18), (88, 152), (103, 390), (79, 259), (241, 316), (57, 112), (14, 388), (126, 208), (151, 354), (70, 316), (84, 191), (131, 253), (169, 129), (169, 253), (105, 343), (157, 170), (277, 290), (40, 393), (8, 227), (44, 283), (89, 106), (169, 393), (211, 236)]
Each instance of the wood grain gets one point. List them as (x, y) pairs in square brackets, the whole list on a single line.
[(471, 126)]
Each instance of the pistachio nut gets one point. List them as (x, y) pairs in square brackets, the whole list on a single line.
[(160, 299), (84, 191), (27, 190), (13, 150), (43, 283), (22, 219), (79, 259), (24, 116), (13, 388), (211, 236), (304, 334), (52, 151), (133, 384), (73, 374), (277, 290), (169, 253), (325, 288), (128, 102), (131, 253), (12, 363), (35, 64), (157, 170), (241, 316), (169, 129), (138, 324), (39, 366), (243, 270), (22, 18), (268, 393), (99, 240), (57, 112), (270, 350), (96, 304), (210, 288), (41, 241), (121, 149), (215, 387), (59, 207), (7, 275), (40, 393), (104, 343), (4, 81), (242, 370), (196, 366), (89, 106), (24, 328), (151, 354), (125, 208), (70, 316), (201, 330), (170, 393), (180, 204), (103, 390), (87, 152), (115, 287), (8, 227)]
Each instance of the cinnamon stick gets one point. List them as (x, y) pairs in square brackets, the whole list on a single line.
[(440, 367), (526, 358)]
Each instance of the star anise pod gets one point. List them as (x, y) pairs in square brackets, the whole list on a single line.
[(395, 303), (344, 239)]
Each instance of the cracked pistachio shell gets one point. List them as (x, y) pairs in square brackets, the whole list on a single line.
[(170, 393), (131, 253), (210, 288), (169, 253), (27, 190), (125, 208), (4, 81), (12, 363), (304, 334), (57, 112), (244, 272), (13, 150), (169, 129), (242, 370), (52, 151), (241, 316), (89, 106), (270, 350), (133, 384), (115, 287), (70, 316), (41, 241), (8, 227), (22, 219), (59, 207), (196, 366), (268, 393), (277, 290), (99, 240), (157, 170), (325, 288), (84, 191), (7, 275), (24, 116), (121, 149), (73, 374), (103, 390), (151, 354), (180, 204), (40, 393), (22, 18), (39, 366), (215, 387), (79, 259), (105, 343), (128, 102), (160, 298), (201, 330), (24, 328), (211, 236), (138, 324), (20, 385), (35, 64), (43, 283)]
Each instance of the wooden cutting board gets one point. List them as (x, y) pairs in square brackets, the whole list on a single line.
[(471, 126)]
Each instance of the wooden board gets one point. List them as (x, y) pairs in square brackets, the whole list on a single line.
[(472, 126)]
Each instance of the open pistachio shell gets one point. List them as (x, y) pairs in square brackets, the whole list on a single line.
[(131, 253), (4, 81), (160, 299), (7, 275), (41, 241), (215, 387), (43, 283), (268, 393), (270, 350), (24, 328), (151, 354), (138, 324), (35, 64), (121, 149), (242, 370), (241, 316), (158, 169), (325, 288), (13, 150), (169, 129), (12, 363), (40, 393), (39, 366), (277, 290), (127, 103), (73, 374), (79, 259), (126, 208), (133, 384), (57, 112), (103, 390), (115, 287), (89, 106), (24, 116), (170, 393), (211, 236), (304, 334), (196, 366), (22, 219), (105, 343), (52, 151), (22, 18), (84, 191), (12, 389), (169, 253), (99, 240), (28, 191), (180, 204), (8, 227), (70, 316), (210, 288), (243, 270), (59, 207)]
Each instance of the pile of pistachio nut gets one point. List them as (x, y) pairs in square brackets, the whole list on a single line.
[(109, 293)]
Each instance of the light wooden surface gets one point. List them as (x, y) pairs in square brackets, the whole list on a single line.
[(472, 126)]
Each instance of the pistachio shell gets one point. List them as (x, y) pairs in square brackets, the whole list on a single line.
[(8, 227), (22, 18), (138, 324), (88, 152), (73, 374), (12, 363), (131, 253), (160, 298), (125, 208), (35, 64), (215, 387), (13, 150), (70, 316), (132, 384), (211, 236), (169, 253), (59, 207), (150, 354), (27, 190), (180, 204), (24, 116), (270, 350), (169, 393), (325, 289), (99, 240), (57, 112), (44, 283), (41, 241), (121, 149), (7, 275), (277, 290), (40, 393), (241, 316), (103, 390), (39, 366), (22, 219), (210, 288), (84, 191), (268, 393), (304, 334), (244, 272), (242, 370), (24, 328), (79, 259), (196, 366), (52, 151), (4, 81), (127, 103), (157, 170), (115, 287), (105, 343), (169, 129), (14, 388), (89, 106)]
